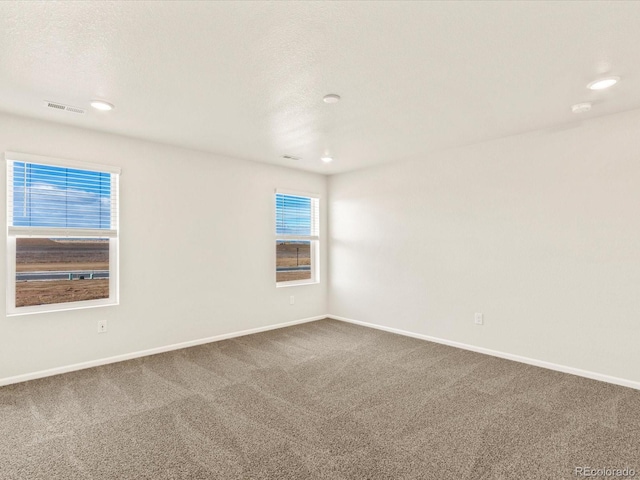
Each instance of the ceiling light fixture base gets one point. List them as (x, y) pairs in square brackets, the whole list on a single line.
[(102, 105), (603, 83), (331, 98), (581, 107)]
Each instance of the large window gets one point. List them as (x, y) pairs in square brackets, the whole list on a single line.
[(62, 234), (297, 238)]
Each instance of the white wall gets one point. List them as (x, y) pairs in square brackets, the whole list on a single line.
[(540, 232), (197, 250)]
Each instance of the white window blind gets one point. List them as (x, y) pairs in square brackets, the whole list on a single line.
[(59, 200), (297, 216)]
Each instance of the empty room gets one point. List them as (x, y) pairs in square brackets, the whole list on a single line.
[(320, 240)]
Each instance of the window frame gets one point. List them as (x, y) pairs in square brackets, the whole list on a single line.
[(313, 239), (13, 233)]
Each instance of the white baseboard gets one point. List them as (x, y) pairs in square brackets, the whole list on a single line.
[(152, 351), (192, 343), (508, 356)]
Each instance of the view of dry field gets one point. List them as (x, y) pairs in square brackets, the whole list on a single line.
[(46, 292), (293, 254), (75, 256)]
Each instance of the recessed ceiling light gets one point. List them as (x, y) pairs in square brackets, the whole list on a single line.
[(102, 105), (603, 83), (327, 159), (331, 98), (581, 107)]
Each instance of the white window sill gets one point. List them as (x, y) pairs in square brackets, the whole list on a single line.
[(296, 284), (60, 307)]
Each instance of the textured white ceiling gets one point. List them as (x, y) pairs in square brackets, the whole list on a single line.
[(246, 79)]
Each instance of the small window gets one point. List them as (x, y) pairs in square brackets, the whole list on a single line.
[(62, 234), (297, 238)]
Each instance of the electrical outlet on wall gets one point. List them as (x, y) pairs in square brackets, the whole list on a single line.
[(292, 300), (102, 326), (478, 319)]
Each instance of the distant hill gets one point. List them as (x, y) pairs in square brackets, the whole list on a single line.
[(37, 242)]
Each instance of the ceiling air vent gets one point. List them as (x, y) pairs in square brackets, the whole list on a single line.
[(64, 108), (290, 157)]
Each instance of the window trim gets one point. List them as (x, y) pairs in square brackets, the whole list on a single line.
[(13, 233), (314, 239), (60, 162)]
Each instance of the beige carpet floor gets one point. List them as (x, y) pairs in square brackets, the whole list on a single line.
[(324, 400)]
